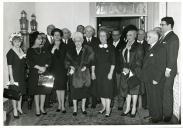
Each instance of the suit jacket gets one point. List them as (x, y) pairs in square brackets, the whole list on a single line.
[(48, 45), (70, 44), (118, 50), (136, 59), (145, 46), (171, 43), (154, 64), (94, 42)]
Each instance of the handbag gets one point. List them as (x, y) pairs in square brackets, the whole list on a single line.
[(133, 82), (12, 92), (46, 80), (80, 79)]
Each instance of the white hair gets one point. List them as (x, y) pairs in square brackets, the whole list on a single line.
[(77, 35), (89, 26)]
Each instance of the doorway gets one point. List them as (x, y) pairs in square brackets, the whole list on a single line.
[(111, 23)]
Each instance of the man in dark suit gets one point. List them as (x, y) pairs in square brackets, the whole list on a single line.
[(152, 74), (89, 38), (66, 39), (49, 38), (80, 28), (119, 45), (142, 100), (93, 42), (171, 42), (50, 98)]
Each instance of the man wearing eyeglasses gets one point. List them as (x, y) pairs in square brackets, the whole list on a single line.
[(171, 42)]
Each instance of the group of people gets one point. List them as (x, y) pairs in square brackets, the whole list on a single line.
[(130, 65)]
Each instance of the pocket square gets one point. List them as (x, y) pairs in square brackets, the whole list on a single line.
[(151, 54)]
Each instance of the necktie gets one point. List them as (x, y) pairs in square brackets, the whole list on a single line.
[(65, 41), (51, 40), (89, 41)]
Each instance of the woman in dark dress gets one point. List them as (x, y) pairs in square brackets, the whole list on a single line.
[(132, 58), (78, 61), (58, 68), (16, 70), (102, 70), (38, 60)]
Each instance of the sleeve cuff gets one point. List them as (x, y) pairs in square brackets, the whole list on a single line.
[(168, 69)]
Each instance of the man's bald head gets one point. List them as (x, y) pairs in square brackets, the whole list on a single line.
[(152, 37)]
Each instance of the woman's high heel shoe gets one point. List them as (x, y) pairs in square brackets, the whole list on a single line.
[(133, 115), (21, 113), (125, 114), (101, 112), (38, 114), (16, 117)]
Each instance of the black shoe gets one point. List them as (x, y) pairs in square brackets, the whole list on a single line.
[(123, 114), (20, 113), (64, 111), (167, 119), (16, 117), (58, 110), (84, 112), (38, 114), (74, 114), (101, 112), (120, 108), (153, 121), (44, 113), (147, 117), (107, 115), (133, 115)]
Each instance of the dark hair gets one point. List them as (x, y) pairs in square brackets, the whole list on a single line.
[(168, 20), (56, 30), (117, 29), (33, 36)]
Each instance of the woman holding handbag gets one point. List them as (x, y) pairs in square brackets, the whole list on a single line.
[(16, 70), (78, 62), (38, 60), (132, 58)]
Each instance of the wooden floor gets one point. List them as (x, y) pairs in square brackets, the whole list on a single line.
[(92, 118)]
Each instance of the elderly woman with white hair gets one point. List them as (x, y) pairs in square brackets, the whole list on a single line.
[(78, 61)]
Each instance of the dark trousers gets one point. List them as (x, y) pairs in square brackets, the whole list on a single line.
[(144, 99), (168, 97), (94, 93), (154, 100)]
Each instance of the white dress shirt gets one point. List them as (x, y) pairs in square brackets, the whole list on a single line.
[(116, 43), (50, 38)]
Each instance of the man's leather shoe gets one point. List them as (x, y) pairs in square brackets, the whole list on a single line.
[(167, 119)]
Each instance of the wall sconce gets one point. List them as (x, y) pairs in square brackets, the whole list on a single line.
[(23, 22), (33, 23)]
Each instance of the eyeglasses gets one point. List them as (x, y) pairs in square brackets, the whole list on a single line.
[(163, 24)]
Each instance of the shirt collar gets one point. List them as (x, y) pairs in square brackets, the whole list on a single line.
[(116, 43), (88, 39), (141, 42), (153, 44), (167, 32)]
